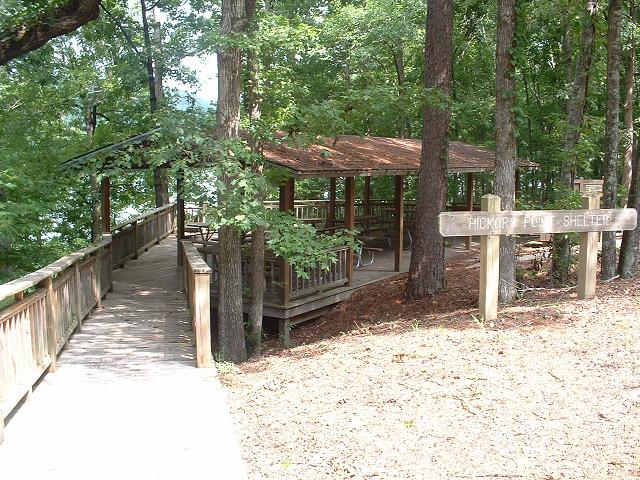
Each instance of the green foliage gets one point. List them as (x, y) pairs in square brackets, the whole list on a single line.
[(301, 245)]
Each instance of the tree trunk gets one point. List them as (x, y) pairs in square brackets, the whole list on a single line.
[(628, 264), (578, 95), (506, 160), (33, 34), (96, 224), (426, 273), (256, 272), (398, 62), (575, 118), (630, 78), (230, 319), (154, 84), (611, 136)]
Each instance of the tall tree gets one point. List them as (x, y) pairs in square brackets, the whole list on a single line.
[(256, 268), (506, 159), (230, 318), (575, 118), (630, 248), (611, 136), (630, 79), (156, 94), (426, 273)]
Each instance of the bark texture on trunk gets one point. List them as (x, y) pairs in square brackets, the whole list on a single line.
[(612, 134), (575, 118), (256, 273), (506, 164), (578, 94), (35, 33), (426, 273), (153, 65), (630, 78), (230, 318), (628, 263), (96, 224)]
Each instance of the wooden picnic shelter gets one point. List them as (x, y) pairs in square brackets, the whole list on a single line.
[(292, 298)]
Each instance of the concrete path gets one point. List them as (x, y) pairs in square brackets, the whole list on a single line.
[(127, 401)]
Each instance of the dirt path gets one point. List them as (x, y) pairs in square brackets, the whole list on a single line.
[(550, 392)]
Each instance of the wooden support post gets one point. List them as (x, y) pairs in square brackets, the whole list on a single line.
[(105, 203), (471, 186), (489, 264), (52, 324), (398, 231), (1, 424), (588, 261), (180, 213), (349, 220), (202, 319), (366, 200), (284, 332), (135, 240), (78, 298), (109, 249), (95, 280), (158, 232), (287, 196), (287, 200), (331, 214)]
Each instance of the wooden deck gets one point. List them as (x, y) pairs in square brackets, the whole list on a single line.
[(127, 401), (301, 310)]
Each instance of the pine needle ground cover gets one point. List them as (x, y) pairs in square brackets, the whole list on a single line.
[(385, 389)]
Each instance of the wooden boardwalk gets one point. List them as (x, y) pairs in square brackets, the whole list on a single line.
[(127, 401)]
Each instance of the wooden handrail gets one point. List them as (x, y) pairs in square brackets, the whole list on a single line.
[(143, 216), (197, 279), (19, 285), (51, 303), (139, 233), (37, 325)]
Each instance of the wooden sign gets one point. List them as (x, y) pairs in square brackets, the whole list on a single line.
[(533, 222), (491, 223)]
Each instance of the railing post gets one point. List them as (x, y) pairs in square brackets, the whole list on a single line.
[(286, 282), (95, 279), (52, 324), (202, 319), (109, 249), (78, 295), (1, 425), (158, 234), (135, 239)]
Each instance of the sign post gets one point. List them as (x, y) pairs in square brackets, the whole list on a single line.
[(489, 264), (588, 260), (491, 222)]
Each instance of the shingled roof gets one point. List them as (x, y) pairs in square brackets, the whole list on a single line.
[(348, 155), (353, 155)]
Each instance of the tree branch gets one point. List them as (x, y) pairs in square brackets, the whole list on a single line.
[(35, 33)]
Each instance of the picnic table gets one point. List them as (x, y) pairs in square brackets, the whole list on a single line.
[(204, 230)]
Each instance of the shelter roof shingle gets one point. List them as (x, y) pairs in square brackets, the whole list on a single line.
[(374, 156)]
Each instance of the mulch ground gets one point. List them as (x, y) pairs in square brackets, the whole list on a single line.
[(381, 388)]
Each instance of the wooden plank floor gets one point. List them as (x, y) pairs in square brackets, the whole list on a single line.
[(127, 401)]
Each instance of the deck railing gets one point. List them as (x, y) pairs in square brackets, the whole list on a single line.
[(197, 277), (139, 233), (282, 282), (318, 279), (48, 305)]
